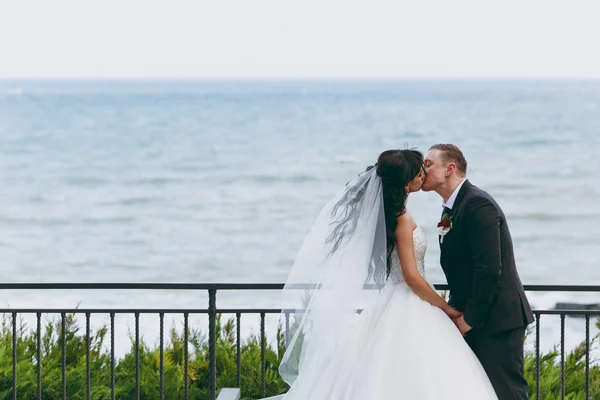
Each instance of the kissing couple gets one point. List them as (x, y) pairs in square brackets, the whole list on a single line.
[(406, 341)]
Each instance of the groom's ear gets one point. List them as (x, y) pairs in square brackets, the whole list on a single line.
[(450, 169)]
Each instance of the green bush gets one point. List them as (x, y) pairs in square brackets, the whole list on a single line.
[(575, 378), (125, 373)]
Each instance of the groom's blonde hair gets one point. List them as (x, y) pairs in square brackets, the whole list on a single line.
[(450, 153)]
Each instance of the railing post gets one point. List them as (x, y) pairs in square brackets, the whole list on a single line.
[(112, 356), (38, 353), (212, 344), (137, 357), (562, 356), (263, 342), (88, 344), (537, 355), (587, 357), (14, 355), (63, 339), (238, 350), (186, 355), (162, 356)]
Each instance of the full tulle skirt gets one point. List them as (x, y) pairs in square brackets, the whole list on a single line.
[(401, 347)]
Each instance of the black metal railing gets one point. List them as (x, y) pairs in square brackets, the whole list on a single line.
[(212, 311)]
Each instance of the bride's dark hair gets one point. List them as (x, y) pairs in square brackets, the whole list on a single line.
[(396, 169)]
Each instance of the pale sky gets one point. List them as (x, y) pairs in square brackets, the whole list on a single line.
[(299, 39)]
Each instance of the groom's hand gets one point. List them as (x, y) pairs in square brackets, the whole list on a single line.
[(462, 325)]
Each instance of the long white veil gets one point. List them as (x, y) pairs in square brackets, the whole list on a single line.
[(333, 276)]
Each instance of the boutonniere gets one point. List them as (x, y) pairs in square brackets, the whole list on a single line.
[(444, 226)]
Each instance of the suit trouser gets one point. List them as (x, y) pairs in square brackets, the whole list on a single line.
[(502, 358)]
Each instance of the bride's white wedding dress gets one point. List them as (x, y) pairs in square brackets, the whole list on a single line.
[(401, 347)]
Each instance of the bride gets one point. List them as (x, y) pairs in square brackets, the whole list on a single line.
[(365, 252)]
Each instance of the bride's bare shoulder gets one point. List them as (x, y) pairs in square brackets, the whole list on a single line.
[(406, 221)]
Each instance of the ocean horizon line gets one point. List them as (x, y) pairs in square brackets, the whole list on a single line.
[(300, 79)]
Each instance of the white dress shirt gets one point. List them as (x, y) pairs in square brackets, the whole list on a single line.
[(452, 198)]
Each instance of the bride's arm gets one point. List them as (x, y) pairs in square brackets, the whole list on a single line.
[(408, 263)]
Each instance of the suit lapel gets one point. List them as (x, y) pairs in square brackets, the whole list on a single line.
[(456, 207), (460, 196)]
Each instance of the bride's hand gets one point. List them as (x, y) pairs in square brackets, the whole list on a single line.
[(452, 312)]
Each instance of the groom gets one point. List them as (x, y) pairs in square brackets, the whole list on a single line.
[(477, 258)]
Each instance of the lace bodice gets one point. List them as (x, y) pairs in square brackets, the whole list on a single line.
[(420, 244)]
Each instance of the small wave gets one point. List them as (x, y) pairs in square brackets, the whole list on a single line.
[(537, 239), (185, 168), (535, 142), (34, 221), (132, 201), (158, 181), (541, 216), (410, 135), (130, 242), (347, 160), (534, 216), (66, 221), (500, 187), (106, 220), (86, 181), (282, 178)]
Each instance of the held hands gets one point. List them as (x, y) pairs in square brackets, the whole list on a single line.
[(458, 319), (462, 325)]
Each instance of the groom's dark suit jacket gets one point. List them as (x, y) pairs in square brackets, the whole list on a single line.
[(478, 260)]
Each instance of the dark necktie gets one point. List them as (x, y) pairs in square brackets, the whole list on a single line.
[(447, 211)]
